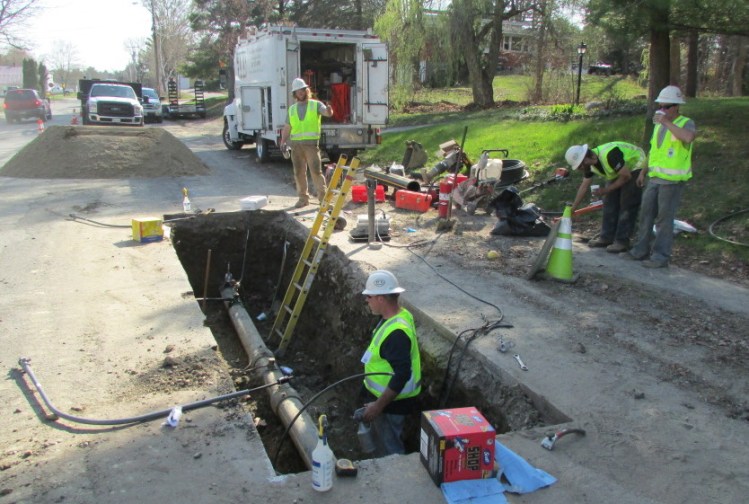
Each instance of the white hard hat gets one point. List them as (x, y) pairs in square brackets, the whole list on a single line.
[(670, 94), (298, 84), (575, 155), (382, 282)]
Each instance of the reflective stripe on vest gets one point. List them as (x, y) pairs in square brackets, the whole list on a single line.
[(373, 363), (672, 160), (309, 128), (634, 157)]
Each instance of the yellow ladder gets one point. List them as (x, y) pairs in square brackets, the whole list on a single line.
[(313, 252)]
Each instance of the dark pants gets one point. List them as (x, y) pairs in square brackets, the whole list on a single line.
[(620, 208)]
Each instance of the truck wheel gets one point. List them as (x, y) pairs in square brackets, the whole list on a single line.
[(227, 139), (262, 149)]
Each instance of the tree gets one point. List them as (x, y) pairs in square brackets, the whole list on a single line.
[(30, 76), (476, 31), (14, 15), (63, 60), (43, 76)]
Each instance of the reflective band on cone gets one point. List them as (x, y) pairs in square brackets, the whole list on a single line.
[(560, 260)]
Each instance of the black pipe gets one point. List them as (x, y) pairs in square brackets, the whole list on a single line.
[(24, 362), (393, 180)]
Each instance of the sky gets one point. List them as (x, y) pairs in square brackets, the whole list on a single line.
[(97, 30)]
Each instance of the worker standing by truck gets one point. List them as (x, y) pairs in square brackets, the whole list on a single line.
[(303, 126), (393, 349), (620, 163)]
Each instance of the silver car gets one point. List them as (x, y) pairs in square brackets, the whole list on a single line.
[(152, 106)]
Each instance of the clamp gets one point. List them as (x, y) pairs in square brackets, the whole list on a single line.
[(550, 439)]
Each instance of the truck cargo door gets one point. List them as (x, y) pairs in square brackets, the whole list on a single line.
[(292, 64), (252, 108), (374, 60)]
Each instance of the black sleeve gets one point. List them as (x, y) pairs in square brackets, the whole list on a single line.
[(615, 157), (588, 173), (396, 349)]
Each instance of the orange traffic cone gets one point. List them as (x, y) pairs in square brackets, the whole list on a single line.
[(559, 266), (39, 126), (74, 120)]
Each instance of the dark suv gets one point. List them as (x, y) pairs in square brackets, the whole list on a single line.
[(24, 103)]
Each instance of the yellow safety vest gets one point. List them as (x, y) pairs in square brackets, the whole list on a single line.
[(373, 363), (673, 159), (309, 128), (633, 158)]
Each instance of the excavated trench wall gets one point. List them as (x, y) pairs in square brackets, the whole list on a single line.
[(332, 332)]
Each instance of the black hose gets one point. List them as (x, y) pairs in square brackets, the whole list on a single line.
[(726, 217), (24, 362), (313, 399)]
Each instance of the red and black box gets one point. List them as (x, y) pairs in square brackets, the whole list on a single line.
[(457, 444)]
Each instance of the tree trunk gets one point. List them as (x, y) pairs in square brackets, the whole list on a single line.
[(739, 63), (538, 91), (675, 64), (692, 64), (659, 63)]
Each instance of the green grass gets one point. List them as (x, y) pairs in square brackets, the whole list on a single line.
[(721, 155)]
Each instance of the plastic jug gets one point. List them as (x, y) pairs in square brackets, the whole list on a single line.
[(322, 460)]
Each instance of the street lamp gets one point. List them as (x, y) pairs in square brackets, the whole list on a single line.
[(581, 50)]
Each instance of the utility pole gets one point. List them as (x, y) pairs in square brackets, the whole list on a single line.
[(156, 52)]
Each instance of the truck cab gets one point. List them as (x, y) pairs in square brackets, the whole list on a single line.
[(111, 102)]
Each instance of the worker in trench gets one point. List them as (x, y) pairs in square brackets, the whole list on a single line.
[(302, 133), (619, 163), (389, 400)]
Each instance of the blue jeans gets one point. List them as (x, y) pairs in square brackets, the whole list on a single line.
[(659, 205), (388, 429), (620, 208)]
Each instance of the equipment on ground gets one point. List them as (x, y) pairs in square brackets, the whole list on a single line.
[(312, 253), (389, 179), (361, 231), (520, 362), (322, 459), (192, 108), (346, 68), (515, 218), (415, 155), (345, 468), (550, 440)]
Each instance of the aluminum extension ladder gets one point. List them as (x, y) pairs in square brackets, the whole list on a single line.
[(313, 252)]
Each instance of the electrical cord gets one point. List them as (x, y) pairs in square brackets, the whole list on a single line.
[(24, 362), (313, 399), (724, 218)]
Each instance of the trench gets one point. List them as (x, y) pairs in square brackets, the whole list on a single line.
[(331, 334)]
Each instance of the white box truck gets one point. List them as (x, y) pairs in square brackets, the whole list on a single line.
[(347, 68)]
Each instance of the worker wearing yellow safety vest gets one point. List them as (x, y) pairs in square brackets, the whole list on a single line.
[(620, 163), (302, 134), (390, 398), (669, 169)]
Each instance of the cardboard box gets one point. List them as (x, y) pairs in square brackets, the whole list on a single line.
[(148, 230), (457, 444)]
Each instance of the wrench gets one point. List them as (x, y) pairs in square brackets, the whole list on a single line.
[(520, 361)]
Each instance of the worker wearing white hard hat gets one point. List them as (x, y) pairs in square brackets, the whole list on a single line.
[(301, 134), (669, 169), (619, 163), (391, 392)]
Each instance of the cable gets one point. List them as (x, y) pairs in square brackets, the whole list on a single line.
[(710, 229), (102, 224), (313, 399), (24, 362)]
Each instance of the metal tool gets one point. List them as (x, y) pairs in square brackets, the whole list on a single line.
[(550, 439), (520, 361)]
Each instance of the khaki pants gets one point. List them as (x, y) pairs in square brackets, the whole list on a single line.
[(305, 156)]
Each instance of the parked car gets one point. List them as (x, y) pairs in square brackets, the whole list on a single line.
[(600, 69), (24, 104), (152, 110)]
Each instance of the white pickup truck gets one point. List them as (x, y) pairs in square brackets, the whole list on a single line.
[(110, 102)]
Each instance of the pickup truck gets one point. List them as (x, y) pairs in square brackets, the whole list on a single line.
[(111, 102)]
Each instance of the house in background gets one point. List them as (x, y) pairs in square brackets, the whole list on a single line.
[(10, 77)]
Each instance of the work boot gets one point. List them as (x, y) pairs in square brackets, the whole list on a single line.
[(654, 264), (617, 247), (598, 243), (632, 257), (301, 203)]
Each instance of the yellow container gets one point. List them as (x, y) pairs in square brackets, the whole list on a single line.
[(148, 230)]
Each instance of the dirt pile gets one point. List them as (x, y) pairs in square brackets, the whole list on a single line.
[(104, 153)]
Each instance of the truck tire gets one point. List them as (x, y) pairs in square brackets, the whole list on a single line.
[(262, 149), (227, 140)]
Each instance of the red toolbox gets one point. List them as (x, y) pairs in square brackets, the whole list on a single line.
[(412, 200), (359, 193), (457, 444)]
